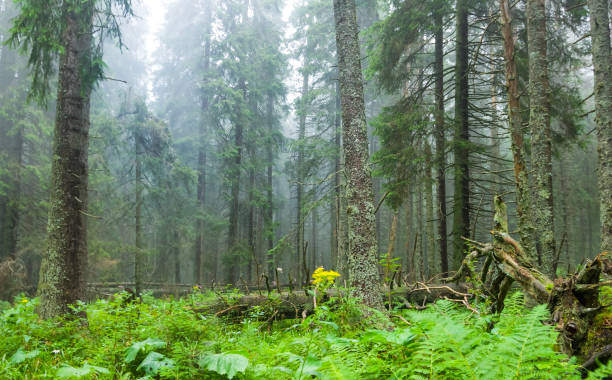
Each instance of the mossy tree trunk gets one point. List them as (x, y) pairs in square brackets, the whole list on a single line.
[(602, 64), (63, 268), (362, 265), (523, 201), (461, 214), (541, 143)]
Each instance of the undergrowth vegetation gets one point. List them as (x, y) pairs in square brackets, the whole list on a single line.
[(169, 339)]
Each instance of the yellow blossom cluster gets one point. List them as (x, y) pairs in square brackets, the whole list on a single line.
[(324, 278)]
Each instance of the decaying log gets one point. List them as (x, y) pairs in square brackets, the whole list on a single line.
[(585, 326), (296, 304)]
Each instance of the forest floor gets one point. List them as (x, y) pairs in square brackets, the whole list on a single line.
[(184, 339)]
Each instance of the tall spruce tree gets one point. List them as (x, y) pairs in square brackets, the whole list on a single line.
[(362, 264), (461, 141), (48, 30)]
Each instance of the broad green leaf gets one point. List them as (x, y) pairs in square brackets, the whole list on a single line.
[(224, 364), (67, 372), (20, 356), (145, 346), (154, 362)]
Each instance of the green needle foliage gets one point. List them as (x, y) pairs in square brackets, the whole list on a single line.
[(179, 339), (38, 29)]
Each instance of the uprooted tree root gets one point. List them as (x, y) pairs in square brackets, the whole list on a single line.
[(585, 326)]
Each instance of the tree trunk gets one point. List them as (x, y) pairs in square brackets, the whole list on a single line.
[(461, 215), (363, 271), (539, 123), (420, 251), (11, 203), (176, 252), (62, 272), (523, 202), (235, 201), (600, 37), (270, 194), (202, 147), (566, 236), (300, 178), (408, 265), (251, 221), (314, 259), (430, 268), (340, 193), (138, 251), (440, 139)]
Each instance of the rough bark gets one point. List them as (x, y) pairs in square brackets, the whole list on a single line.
[(440, 140), (461, 215), (363, 272), (523, 200), (62, 272), (602, 58), (541, 144)]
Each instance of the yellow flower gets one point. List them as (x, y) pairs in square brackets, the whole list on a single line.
[(323, 278), (24, 300)]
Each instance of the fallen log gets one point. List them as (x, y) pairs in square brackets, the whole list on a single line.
[(299, 303), (585, 326)]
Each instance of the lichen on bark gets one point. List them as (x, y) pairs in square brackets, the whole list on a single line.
[(63, 267), (363, 269), (541, 142)]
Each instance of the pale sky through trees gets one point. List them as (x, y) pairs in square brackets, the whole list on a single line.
[(153, 12)]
